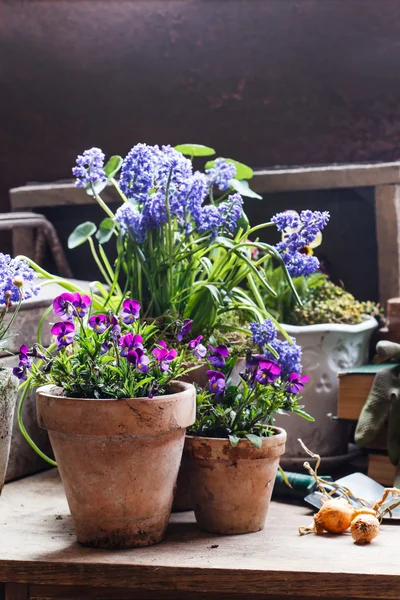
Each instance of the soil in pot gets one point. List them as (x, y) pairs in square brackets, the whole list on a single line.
[(230, 486), (118, 461)]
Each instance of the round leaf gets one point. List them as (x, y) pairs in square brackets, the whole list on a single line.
[(242, 171), (81, 234), (244, 189), (113, 166), (195, 150), (105, 231)]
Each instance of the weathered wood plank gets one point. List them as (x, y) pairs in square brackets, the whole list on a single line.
[(325, 178), (16, 591), (387, 209), (54, 194), (37, 546)]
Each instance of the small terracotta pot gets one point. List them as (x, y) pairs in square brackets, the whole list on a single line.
[(182, 501), (230, 486), (118, 461)]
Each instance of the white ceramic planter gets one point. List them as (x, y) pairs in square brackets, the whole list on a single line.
[(327, 349), (8, 400)]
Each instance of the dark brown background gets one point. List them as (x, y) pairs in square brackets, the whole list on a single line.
[(270, 82)]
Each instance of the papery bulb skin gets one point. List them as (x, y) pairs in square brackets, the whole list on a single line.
[(364, 528)]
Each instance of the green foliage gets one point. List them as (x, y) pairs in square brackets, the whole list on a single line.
[(245, 410), (325, 302)]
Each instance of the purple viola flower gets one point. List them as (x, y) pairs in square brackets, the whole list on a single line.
[(105, 347), (98, 323), (24, 354), (62, 305), (139, 359), (198, 349), (130, 342), (113, 322), (267, 372), (217, 382), (184, 329), (21, 372), (64, 331), (296, 383), (164, 356), (130, 311), (81, 304), (218, 356)]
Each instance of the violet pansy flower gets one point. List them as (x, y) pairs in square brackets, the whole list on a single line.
[(24, 356), (184, 329), (130, 342), (198, 349), (296, 383), (21, 372), (164, 356), (98, 323), (130, 311), (218, 356), (139, 359), (267, 372), (64, 332), (217, 382), (62, 305)]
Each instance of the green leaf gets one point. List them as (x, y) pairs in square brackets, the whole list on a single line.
[(244, 189), (113, 166), (195, 150), (96, 188), (303, 414), (105, 231), (81, 234), (254, 439), (234, 440), (242, 171)]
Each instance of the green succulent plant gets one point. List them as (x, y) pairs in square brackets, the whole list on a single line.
[(325, 302)]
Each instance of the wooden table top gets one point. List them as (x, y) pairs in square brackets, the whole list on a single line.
[(38, 546)]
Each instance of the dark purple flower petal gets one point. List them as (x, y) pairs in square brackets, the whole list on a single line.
[(64, 331), (267, 372), (20, 372), (217, 382), (218, 356), (185, 329), (198, 349), (130, 311), (98, 323), (81, 304), (296, 383), (62, 305)]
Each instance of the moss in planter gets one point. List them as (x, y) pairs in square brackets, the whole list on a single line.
[(329, 303)]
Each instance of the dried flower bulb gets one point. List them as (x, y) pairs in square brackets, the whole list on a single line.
[(364, 528), (334, 516)]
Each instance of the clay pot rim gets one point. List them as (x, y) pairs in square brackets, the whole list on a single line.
[(49, 391), (280, 436)]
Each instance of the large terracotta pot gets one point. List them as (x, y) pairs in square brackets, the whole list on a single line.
[(118, 461), (327, 349), (231, 487), (8, 400)]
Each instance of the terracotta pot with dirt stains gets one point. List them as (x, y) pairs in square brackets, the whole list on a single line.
[(230, 486), (182, 500), (118, 461)]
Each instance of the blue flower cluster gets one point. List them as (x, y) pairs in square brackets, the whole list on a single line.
[(299, 231), (289, 356), (89, 169), (263, 333), (159, 182), (16, 280), (221, 173)]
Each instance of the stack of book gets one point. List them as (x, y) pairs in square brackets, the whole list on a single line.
[(354, 387)]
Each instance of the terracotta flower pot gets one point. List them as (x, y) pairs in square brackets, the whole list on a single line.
[(8, 400), (118, 461), (231, 487), (182, 499)]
